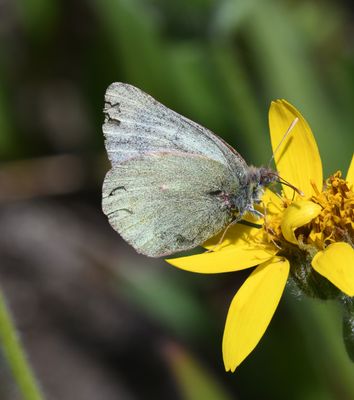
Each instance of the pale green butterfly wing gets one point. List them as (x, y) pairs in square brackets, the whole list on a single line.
[(162, 203), (135, 123)]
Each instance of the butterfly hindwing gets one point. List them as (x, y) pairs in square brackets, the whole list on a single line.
[(166, 202)]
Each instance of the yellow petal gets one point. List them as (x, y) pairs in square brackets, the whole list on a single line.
[(231, 258), (336, 263), (299, 213), (248, 234), (272, 203), (350, 174), (251, 310), (239, 233), (298, 160), (243, 247)]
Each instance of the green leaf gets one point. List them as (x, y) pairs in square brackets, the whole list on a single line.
[(194, 381)]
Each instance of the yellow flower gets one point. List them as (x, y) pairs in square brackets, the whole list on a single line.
[(297, 232)]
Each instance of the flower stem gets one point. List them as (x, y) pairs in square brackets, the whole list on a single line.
[(15, 355), (348, 325)]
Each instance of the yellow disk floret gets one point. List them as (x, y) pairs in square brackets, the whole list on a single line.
[(335, 223)]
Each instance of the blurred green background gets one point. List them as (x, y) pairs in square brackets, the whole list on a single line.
[(98, 320)]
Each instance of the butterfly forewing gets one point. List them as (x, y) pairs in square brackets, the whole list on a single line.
[(136, 123)]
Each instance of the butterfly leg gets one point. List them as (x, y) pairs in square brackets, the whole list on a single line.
[(223, 235), (256, 213)]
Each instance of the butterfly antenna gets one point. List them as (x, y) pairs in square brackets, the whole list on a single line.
[(286, 183), (287, 133)]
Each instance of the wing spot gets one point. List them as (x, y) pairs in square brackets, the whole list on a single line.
[(115, 190), (108, 107), (182, 240), (216, 192), (111, 121), (119, 209), (111, 105)]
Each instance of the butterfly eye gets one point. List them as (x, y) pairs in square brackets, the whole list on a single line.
[(265, 180)]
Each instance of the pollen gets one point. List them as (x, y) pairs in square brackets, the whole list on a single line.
[(335, 223)]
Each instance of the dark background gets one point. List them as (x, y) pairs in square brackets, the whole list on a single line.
[(98, 320)]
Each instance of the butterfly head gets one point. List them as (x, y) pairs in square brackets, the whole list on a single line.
[(258, 179)]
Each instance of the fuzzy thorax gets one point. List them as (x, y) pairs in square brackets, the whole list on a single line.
[(251, 190), (257, 179)]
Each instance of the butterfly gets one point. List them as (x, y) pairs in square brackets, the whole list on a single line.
[(173, 183)]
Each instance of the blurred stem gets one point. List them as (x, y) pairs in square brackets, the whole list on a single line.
[(15, 355), (320, 322), (348, 326)]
